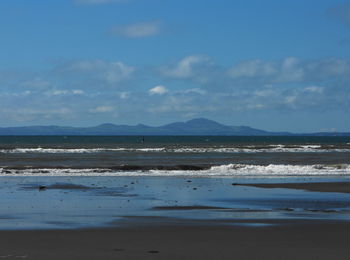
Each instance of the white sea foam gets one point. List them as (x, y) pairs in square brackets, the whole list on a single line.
[(282, 170), (230, 170), (243, 149), (256, 149)]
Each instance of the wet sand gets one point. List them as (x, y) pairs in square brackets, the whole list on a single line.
[(291, 241), (172, 218), (342, 187)]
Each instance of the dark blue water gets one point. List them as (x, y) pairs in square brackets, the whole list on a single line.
[(108, 141), (175, 153)]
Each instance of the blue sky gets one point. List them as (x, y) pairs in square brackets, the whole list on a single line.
[(274, 65)]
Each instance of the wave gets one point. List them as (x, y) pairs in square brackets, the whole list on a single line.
[(266, 149), (230, 170), (282, 170), (240, 149)]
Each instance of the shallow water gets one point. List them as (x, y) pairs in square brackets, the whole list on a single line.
[(76, 202)]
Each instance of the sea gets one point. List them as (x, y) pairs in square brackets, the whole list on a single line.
[(194, 156), (68, 182)]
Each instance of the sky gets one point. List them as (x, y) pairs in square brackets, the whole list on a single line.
[(274, 65)]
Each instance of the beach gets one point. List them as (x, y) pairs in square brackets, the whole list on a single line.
[(244, 221), (180, 234), (288, 241)]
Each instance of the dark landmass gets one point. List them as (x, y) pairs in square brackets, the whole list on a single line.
[(199, 126)]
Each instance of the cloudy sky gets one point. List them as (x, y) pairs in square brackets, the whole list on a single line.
[(272, 64)]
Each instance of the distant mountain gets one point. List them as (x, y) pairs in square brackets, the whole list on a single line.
[(198, 126)]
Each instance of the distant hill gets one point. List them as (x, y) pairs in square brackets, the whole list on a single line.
[(198, 126)]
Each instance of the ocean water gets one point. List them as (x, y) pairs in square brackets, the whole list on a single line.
[(103, 181), (205, 156)]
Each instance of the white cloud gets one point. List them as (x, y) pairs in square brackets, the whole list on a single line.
[(287, 70), (124, 95), (290, 69), (314, 89), (16, 94), (78, 92), (84, 87), (333, 129), (253, 68), (187, 67), (110, 72), (137, 30), (59, 92), (267, 92), (195, 91), (62, 92), (102, 109), (99, 2), (290, 99), (158, 90)]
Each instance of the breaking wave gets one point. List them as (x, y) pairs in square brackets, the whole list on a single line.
[(230, 170)]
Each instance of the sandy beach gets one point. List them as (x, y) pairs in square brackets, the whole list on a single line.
[(288, 241), (173, 218)]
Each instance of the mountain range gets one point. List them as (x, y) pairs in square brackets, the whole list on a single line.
[(198, 126)]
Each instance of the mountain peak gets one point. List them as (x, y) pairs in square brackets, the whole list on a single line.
[(202, 120), (106, 125)]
